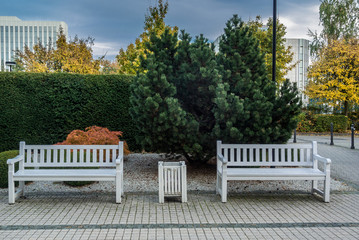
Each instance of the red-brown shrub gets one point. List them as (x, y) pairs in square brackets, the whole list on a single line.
[(95, 135)]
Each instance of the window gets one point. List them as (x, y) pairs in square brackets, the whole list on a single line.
[(6, 40), (30, 37), (26, 36), (21, 37), (46, 40), (35, 35), (16, 37)]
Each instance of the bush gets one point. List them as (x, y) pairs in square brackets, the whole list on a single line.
[(341, 123), (321, 123), (43, 108), (4, 156), (305, 123), (95, 135)]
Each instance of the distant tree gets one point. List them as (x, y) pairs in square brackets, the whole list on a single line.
[(40, 59), (284, 56), (335, 75), (340, 19), (74, 56), (129, 60), (108, 67)]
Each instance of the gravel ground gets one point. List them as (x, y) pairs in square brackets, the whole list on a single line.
[(141, 171)]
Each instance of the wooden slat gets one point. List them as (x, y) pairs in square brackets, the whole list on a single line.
[(95, 160), (231, 151), (251, 155), (88, 156), (289, 155), (295, 154), (48, 156), (308, 155), (42, 156), (107, 155), (225, 154), (101, 156), (74, 155), (114, 154), (68, 156), (62, 156), (270, 155)]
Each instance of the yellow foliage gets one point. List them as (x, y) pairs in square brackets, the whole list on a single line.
[(74, 56), (335, 75)]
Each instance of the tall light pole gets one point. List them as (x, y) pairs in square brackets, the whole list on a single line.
[(274, 40)]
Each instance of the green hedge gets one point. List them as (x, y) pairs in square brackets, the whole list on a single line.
[(4, 156), (321, 123), (341, 123), (44, 108)]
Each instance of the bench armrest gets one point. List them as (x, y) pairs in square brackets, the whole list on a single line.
[(221, 158), (119, 160), (324, 160), (16, 159)]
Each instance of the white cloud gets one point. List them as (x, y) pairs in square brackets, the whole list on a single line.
[(299, 18), (110, 49)]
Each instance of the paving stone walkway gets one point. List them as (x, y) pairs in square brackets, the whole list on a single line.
[(56, 215)]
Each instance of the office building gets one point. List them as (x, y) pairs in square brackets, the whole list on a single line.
[(15, 34), (300, 48)]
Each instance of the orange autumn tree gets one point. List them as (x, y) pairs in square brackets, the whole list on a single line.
[(95, 135)]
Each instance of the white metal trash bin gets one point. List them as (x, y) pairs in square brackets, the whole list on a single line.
[(172, 179)]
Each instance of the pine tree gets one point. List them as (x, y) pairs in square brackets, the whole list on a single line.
[(245, 115), (248, 110), (196, 79), (159, 117), (286, 107)]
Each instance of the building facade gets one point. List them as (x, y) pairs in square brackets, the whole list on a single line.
[(298, 75), (15, 34)]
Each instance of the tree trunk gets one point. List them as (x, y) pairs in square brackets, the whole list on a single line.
[(346, 108)]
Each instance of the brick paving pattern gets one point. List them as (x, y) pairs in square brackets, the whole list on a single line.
[(140, 216)]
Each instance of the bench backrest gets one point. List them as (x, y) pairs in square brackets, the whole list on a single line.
[(247, 155), (70, 155)]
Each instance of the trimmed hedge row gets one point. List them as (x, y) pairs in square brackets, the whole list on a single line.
[(321, 123), (44, 108), (341, 123), (4, 156)]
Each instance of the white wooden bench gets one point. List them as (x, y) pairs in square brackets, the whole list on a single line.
[(253, 162), (66, 163)]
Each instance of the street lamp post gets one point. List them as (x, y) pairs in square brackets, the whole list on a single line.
[(274, 40), (10, 64)]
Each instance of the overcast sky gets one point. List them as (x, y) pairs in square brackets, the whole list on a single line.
[(117, 23)]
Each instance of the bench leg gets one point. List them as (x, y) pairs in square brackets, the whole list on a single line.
[(224, 189), (22, 187), (327, 189), (11, 190), (118, 189), (217, 184), (122, 191), (314, 185)]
